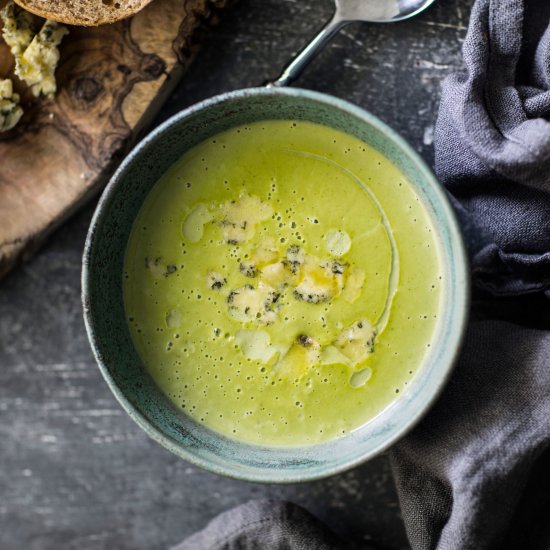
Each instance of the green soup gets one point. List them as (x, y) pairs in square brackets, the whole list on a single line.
[(282, 283)]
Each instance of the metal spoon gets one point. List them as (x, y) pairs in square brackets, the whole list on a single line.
[(349, 11)]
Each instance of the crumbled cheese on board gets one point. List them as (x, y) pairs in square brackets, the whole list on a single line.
[(18, 29), (36, 56), (10, 111), (38, 62)]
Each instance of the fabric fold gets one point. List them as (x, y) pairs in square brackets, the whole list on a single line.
[(464, 471), (492, 143), (265, 525)]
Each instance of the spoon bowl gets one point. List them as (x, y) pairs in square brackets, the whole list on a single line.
[(350, 11), (379, 11)]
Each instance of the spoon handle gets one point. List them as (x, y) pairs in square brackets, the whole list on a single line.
[(294, 69)]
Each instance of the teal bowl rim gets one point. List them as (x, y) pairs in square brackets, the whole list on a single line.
[(461, 304)]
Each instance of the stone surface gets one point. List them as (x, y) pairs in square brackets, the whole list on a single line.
[(76, 472)]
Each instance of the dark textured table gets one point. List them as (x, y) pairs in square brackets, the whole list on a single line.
[(75, 471)]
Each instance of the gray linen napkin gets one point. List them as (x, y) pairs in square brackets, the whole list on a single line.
[(492, 144), (475, 474), (264, 525)]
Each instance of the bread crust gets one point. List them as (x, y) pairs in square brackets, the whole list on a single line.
[(103, 13)]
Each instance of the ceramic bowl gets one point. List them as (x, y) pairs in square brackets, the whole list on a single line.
[(104, 310)]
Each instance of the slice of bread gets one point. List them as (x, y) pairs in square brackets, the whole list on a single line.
[(83, 12)]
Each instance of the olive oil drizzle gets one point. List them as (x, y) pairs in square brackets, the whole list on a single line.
[(393, 277)]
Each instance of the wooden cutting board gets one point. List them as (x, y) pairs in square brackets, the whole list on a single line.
[(111, 82)]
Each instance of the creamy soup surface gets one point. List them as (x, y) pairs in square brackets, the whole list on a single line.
[(282, 283)]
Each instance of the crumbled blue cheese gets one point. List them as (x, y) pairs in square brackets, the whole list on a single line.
[(215, 280), (295, 258), (238, 218), (354, 285), (248, 269), (193, 226), (10, 111), (158, 268), (253, 304), (277, 275), (36, 54), (337, 242), (18, 29), (356, 342), (38, 62), (255, 344), (266, 253), (321, 281), (300, 357)]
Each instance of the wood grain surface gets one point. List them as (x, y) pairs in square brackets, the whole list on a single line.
[(111, 81)]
